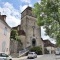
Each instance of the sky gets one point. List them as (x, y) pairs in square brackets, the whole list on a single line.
[(13, 8)]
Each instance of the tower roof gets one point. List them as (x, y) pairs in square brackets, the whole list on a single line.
[(28, 8)]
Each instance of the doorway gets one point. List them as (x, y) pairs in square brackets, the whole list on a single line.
[(33, 42)]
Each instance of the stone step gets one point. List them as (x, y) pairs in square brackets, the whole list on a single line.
[(15, 55)]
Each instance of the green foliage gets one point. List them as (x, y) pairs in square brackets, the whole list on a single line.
[(19, 41), (14, 34), (58, 39), (38, 50), (37, 12), (48, 15)]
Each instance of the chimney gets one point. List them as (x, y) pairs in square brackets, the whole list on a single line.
[(4, 17)]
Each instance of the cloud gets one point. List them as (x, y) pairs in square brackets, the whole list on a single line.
[(43, 34), (22, 8), (26, 1), (13, 15), (46, 36), (13, 21)]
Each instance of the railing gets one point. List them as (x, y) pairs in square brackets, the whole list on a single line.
[(24, 51)]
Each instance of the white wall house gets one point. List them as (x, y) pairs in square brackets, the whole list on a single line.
[(4, 35)]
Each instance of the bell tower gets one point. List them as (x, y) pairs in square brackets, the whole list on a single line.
[(30, 27)]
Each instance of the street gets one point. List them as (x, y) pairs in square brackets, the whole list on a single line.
[(41, 57)]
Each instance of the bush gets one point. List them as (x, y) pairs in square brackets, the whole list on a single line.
[(37, 50)]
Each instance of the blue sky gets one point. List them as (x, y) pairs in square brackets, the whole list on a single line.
[(17, 3), (13, 8)]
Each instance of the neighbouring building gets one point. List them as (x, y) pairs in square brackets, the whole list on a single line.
[(49, 46), (4, 35)]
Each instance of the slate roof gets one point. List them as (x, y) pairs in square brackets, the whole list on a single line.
[(48, 43)]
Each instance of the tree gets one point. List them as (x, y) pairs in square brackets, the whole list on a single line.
[(48, 15), (14, 34)]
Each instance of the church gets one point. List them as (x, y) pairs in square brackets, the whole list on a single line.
[(32, 31), (29, 31)]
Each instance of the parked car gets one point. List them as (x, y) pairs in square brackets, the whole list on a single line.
[(57, 51), (4, 56), (32, 55)]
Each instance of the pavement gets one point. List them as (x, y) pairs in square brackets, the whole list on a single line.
[(48, 57), (57, 57), (25, 57), (41, 57), (15, 58)]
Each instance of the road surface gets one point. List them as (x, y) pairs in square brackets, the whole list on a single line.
[(41, 57)]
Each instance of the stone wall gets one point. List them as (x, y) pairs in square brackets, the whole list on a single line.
[(15, 46), (30, 27)]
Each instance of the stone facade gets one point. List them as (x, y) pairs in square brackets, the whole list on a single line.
[(31, 29), (15, 46), (4, 35), (21, 36)]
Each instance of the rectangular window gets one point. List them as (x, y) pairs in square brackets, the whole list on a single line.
[(3, 46), (5, 31)]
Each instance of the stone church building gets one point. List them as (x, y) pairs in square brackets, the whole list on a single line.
[(29, 31), (32, 36)]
